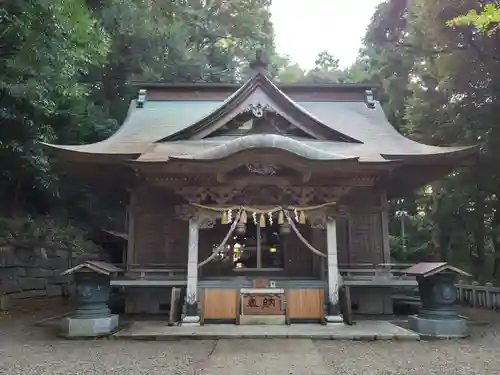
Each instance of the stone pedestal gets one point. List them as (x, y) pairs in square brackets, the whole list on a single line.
[(92, 317), (334, 314), (439, 328), (334, 319), (438, 316), (89, 327), (191, 320)]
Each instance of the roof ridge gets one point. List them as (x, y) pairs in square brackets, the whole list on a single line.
[(243, 93)]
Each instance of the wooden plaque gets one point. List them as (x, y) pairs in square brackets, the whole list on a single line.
[(260, 283), (263, 304)]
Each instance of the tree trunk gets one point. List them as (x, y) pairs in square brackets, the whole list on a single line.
[(495, 239)]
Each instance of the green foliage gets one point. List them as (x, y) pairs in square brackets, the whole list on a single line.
[(66, 68), (326, 70), (65, 73), (46, 46), (42, 232), (440, 87), (66, 65), (487, 20)]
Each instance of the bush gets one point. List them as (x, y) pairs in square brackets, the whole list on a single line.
[(43, 232)]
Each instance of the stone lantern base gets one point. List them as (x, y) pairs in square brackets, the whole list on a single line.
[(438, 316), (89, 327), (439, 328), (92, 317)]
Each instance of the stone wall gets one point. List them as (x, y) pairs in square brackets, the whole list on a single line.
[(28, 273)]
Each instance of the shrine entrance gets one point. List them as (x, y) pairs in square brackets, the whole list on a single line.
[(261, 244), (259, 248), (257, 265)]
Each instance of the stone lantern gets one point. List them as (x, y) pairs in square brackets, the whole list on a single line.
[(438, 316), (92, 316)]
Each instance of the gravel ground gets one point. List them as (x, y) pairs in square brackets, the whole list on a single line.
[(478, 354), (25, 349)]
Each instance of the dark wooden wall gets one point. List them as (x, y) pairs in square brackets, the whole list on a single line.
[(158, 236), (365, 238), (368, 237), (360, 238), (298, 258)]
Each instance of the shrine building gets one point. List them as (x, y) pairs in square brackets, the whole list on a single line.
[(237, 192)]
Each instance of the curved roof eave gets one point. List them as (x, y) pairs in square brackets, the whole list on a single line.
[(106, 146), (81, 153), (442, 153), (255, 142), (239, 96)]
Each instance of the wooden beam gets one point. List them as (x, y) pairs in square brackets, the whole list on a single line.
[(132, 211), (384, 218)]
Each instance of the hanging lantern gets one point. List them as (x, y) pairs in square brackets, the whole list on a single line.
[(241, 228), (285, 228)]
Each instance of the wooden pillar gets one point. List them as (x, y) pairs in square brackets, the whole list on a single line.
[(192, 316), (333, 272)]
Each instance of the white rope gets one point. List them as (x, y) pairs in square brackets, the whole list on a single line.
[(304, 241), (224, 241)]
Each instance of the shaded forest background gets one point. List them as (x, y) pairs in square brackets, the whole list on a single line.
[(66, 68)]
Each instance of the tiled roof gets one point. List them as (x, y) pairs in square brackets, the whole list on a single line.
[(369, 137)]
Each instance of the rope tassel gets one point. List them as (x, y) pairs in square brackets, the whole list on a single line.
[(244, 218), (223, 219), (302, 217), (262, 221)]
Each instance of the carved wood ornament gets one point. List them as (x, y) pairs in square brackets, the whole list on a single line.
[(206, 219), (268, 194)]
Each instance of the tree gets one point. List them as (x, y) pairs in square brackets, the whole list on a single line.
[(487, 20), (181, 41), (440, 87), (66, 68), (287, 72), (46, 47), (326, 70)]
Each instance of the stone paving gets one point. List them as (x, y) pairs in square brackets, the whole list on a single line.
[(26, 349), (362, 330)]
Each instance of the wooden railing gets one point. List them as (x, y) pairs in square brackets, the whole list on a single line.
[(374, 271), (476, 295), (143, 271)]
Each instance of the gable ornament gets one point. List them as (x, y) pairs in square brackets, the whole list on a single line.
[(262, 169), (258, 109)]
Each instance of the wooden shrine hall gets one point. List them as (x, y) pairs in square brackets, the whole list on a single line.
[(251, 199)]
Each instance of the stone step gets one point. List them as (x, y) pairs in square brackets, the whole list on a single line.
[(262, 320)]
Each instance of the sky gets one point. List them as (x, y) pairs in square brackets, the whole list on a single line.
[(304, 28)]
